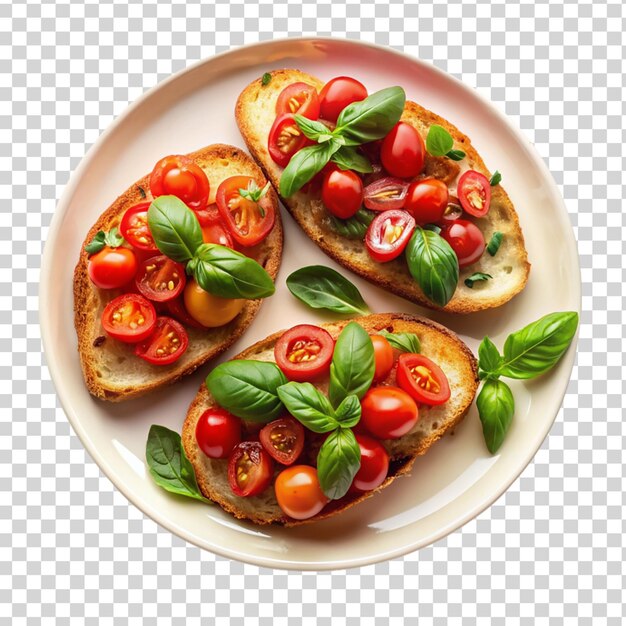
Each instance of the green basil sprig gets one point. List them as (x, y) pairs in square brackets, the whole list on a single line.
[(168, 465), (353, 364), (309, 406), (338, 461), (494, 243), (321, 287), (217, 269), (229, 274), (406, 342), (113, 239), (527, 353), (354, 227), (433, 265), (359, 123), (248, 389), (439, 142), (348, 413)]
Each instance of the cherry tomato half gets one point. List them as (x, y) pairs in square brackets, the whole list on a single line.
[(209, 310), (216, 232), (453, 210), (403, 151), (134, 228), (304, 352), (474, 191), (422, 379), (383, 357), (208, 215), (283, 439), (385, 194), (176, 308), (342, 192), (374, 465), (218, 432), (466, 239), (285, 139), (299, 493), (299, 98), (388, 235), (180, 176), (166, 344), (388, 412), (248, 221), (111, 268), (426, 200), (129, 318), (250, 469), (160, 279), (337, 94)]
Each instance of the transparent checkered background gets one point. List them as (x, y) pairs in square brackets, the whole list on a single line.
[(550, 551)]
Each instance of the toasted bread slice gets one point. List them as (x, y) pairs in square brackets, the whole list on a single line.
[(438, 343), (111, 370), (255, 113)]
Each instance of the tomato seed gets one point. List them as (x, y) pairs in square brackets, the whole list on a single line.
[(170, 285)]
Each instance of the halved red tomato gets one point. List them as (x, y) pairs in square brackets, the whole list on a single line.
[(299, 98), (453, 210), (422, 379), (385, 194), (245, 209), (208, 215), (474, 192), (160, 279), (304, 352), (250, 469), (166, 344), (134, 228), (283, 439), (176, 308), (388, 235), (466, 239), (129, 318), (216, 232), (426, 200), (285, 139), (178, 175)]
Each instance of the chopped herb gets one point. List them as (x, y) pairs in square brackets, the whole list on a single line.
[(494, 243), (495, 179), (476, 277), (456, 155), (142, 192), (265, 80)]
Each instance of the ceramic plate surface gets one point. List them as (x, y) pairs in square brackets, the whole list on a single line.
[(458, 478)]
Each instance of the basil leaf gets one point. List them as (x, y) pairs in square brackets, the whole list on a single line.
[(372, 118), (354, 227), (113, 238), (406, 342), (338, 461), (494, 243), (248, 389), (476, 277), (96, 244), (438, 141), (496, 407), (455, 155), (304, 165), (352, 367), (489, 359), (168, 465), (433, 265), (312, 128), (348, 158), (348, 413), (537, 347), (321, 287), (309, 406), (495, 179), (265, 79), (174, 227), (254, 193), (229, 274)]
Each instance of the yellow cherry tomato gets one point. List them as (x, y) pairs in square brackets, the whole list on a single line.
[(207, 309)]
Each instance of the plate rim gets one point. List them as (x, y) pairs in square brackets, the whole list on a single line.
[(166, 522)]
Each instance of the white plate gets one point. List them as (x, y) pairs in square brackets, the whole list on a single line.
[(458, 478)]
